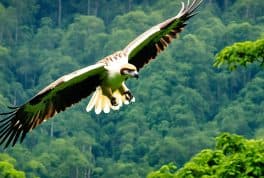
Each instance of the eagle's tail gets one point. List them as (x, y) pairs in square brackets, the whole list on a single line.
[(101, 102)]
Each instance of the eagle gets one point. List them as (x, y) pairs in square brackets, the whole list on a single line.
[(104, 80)]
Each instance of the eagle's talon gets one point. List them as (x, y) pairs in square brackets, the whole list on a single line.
[(128, 95), (113, 101)]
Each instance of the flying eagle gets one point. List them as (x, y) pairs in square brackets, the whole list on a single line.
[(106, 79)]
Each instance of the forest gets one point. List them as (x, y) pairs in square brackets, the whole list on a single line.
[(199, 105)]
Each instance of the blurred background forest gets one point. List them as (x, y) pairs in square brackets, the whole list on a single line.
[(182, 101)]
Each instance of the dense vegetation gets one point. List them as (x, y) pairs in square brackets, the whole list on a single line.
[(233, 156), (182, 101)]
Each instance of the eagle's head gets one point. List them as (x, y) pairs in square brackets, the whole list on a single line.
[(129, 70)]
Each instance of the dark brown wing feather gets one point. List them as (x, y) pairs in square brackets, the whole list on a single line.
[(148, 45), (53, 99)]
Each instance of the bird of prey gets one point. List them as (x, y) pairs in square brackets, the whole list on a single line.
[(106, 79)]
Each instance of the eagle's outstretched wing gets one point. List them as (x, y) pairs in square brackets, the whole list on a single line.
[(147, 46), (62, 93)]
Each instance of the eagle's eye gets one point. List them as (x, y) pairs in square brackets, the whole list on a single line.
[(129, 72), (126, 71)]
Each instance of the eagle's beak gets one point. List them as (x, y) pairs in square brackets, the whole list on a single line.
[(135, 74)]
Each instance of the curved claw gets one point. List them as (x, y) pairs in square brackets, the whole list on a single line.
[(114, 101), (128, 95)]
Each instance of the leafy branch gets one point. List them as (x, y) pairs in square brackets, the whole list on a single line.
[(241, 54)]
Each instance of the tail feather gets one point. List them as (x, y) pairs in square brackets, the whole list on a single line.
[(98, 105), (107, 105), (100, 102), (92, 101)]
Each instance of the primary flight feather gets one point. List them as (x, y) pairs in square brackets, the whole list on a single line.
[(106, 79)]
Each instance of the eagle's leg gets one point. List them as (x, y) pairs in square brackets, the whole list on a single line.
[(125, 91), (108, 92)]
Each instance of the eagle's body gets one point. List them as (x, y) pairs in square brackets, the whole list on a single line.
[(113, 93), (106, 79)]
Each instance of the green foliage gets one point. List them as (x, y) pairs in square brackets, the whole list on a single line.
[(234, 156), (7, 167), (241, 54), (243, 10), (3, 101), (166, 171), (182, 102)]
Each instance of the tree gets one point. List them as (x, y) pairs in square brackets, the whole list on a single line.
[(7, 167), (242, 10), (233, 156), (24, 11), (79, 39), (166, 171), (241, 54), (7, 25)]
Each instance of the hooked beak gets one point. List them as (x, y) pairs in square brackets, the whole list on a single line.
[(135, 74)]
